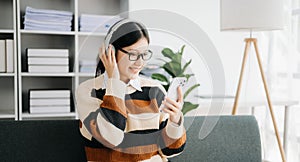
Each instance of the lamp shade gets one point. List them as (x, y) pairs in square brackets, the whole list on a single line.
[(251, 15)]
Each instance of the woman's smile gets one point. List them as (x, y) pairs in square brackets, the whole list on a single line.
[(135, 69)]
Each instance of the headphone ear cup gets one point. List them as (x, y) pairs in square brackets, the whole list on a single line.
[(113, 49), (106, 43)]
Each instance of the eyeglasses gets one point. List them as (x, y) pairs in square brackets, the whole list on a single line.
[(134, 55)]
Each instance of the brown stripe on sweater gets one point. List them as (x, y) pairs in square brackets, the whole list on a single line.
[(147, 93), (173, 143), (105, 155), (145, 149), (115, 104), (141, 106), (97, 154)]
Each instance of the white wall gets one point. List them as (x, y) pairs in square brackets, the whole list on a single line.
[(230, 45)]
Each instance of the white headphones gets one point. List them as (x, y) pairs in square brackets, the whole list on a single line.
[(114, 28)]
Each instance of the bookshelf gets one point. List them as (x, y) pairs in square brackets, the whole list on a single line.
[(14, 86), (8, 80)]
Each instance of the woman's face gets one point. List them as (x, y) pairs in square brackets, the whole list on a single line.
[(130, 69)]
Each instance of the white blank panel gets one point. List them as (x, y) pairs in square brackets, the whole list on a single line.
[(6, 14), (103, 7), (89, 47), (7, 93), (64, 5)]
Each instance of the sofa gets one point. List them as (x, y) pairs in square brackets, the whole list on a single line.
[(232, 139)]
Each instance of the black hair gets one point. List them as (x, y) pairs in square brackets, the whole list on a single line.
[(124, 36)]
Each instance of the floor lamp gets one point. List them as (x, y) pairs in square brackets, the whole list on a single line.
[(253, 16)]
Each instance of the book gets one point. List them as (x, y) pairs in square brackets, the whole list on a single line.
[(2, 56), (97, 19), (48, 69), (49, 101), (47, 52), (9, 55), (46, 23), (87, 69), (47, 28), (48, 12), (49, 109), (48, 61), (49, 94), (47, 17), (96, 23), (44, 19), (87, 66)]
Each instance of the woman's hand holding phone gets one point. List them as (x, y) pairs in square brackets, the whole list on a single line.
[(109, 61), (173, 108)]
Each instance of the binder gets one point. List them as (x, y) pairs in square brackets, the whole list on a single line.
[(47, 52), (49, 93), (2, 57), (9, 55)]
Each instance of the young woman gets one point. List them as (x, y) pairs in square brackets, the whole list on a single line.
[(126, 117)]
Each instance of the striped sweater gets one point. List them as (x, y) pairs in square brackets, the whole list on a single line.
[(123, 123)]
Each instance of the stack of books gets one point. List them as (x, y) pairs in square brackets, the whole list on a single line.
[(41, 19), (48, 60), (49, 101), (87, 66), (96, 23), (6, 56)]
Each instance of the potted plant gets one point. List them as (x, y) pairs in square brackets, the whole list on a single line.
[(174, 68)]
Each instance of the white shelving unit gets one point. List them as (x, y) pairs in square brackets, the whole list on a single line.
[(8, 81), (14, 87)]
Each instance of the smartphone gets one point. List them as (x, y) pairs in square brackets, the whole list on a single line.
[(172, 91)]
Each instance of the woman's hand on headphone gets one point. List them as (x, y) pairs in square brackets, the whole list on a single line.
[(109, 62)]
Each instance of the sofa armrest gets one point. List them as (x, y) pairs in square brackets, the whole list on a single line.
[(234, 138)]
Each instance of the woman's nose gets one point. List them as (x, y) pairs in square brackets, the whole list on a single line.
[(139, 61)]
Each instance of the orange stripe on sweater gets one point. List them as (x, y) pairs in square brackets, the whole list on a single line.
[(109, 155), (141, 106), (115, 104)]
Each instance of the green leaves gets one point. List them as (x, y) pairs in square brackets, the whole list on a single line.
[(188, 106), (186, 65), (190, 90), (160, 77), (182, 48), (174, 69), (167, 52)]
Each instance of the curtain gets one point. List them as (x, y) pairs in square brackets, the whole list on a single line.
[(282, 68)]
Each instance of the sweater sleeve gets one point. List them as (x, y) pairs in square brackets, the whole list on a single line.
[(173, 139), (173, 136), (105, 120)]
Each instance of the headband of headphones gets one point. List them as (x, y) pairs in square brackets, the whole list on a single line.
[(114, 28)]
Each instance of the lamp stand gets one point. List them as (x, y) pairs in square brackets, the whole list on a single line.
[(248, 43)]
